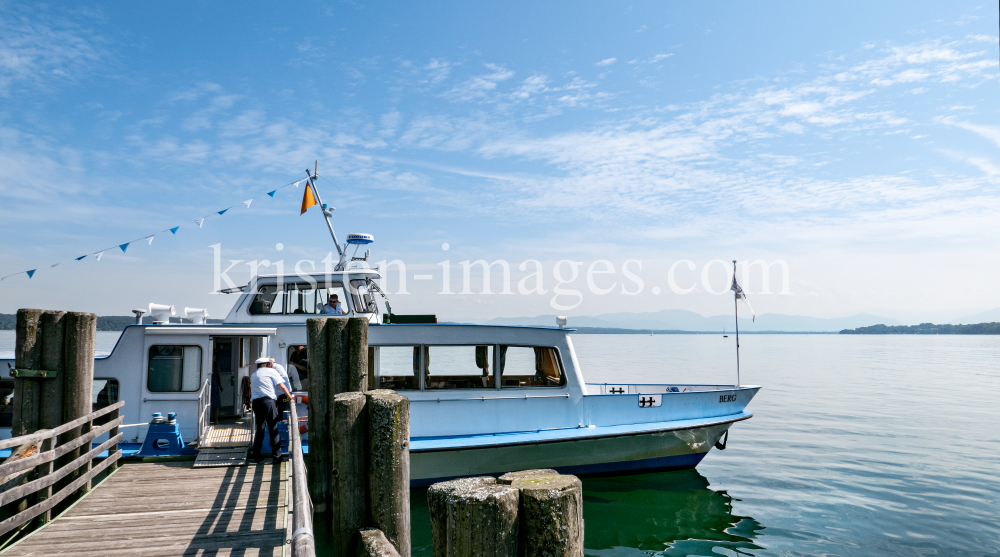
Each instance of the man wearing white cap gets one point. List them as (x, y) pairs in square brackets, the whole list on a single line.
[(264, 385)]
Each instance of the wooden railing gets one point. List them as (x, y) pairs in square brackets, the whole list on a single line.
[(303, 541), (34, 459)]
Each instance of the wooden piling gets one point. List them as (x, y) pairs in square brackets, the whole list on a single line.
[(389, 466), (437, 504), (60, 342), (320, 458), (551, 516), (53, 333), (78, 386), (373, 543), (27, 355), (356, 377), (347, 354), (511, 477), (482, 520), (349, 481), (53, 337)]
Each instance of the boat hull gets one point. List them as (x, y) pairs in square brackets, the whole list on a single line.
[(622, 453)]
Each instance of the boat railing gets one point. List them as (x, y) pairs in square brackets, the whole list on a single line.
[(485, 398), (40, 451), (204, 409), (303, 541)]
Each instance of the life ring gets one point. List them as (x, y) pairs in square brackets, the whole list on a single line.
[(303, 429), (304, 399)]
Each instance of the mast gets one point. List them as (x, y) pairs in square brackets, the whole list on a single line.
[(327, 213), (736, 307)]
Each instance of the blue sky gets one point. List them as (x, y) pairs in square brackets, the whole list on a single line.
[(856, 142)]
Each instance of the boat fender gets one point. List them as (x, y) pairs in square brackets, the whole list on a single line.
[(721, 443)]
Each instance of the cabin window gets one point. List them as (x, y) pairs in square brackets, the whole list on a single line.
[(267, 301), (105, 394), (398, 367), (459, 367), (174, 369), (525, 366), (7, 399)]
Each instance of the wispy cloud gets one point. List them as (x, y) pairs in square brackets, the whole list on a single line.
[(607, 61), (39, 49), (479, 86), (988, 132)]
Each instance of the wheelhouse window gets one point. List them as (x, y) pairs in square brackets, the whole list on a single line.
[(364, 301), (526, 366), (269, 300), (300, 298), (174, 369)]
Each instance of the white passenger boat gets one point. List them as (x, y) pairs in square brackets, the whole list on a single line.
[(484, 399)]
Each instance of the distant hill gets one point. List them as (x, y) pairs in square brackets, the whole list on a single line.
[(8, 321), (689, 321), (988, 316), (927, 329)]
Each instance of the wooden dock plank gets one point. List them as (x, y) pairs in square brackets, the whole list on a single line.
[(172, 509)]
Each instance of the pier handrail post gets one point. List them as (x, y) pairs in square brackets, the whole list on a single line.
[(303, 540), (203, 394), (111, 435)]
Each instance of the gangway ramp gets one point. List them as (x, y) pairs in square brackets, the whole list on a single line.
[(226, 444), (172, 509)]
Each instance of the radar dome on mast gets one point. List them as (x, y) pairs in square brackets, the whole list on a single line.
[(360, 239)]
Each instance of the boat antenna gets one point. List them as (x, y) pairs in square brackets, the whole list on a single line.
[(327, 213)]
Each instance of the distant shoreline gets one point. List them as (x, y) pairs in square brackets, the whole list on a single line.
[(617, 331), (926, 329)]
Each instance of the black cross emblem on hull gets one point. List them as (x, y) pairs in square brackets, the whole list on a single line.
[(646, 401), (617, 390)]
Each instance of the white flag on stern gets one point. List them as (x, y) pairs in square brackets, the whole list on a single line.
[(740, 295)]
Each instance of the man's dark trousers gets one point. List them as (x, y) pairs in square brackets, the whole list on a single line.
[(265, 413)]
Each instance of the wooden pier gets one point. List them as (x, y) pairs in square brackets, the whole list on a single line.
[(173, 509)]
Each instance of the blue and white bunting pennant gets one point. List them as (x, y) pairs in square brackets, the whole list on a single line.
[(149, 239)]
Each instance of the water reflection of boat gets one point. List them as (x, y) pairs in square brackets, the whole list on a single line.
[(671, 513)]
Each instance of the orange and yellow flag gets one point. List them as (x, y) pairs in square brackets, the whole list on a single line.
[(307, 200)]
